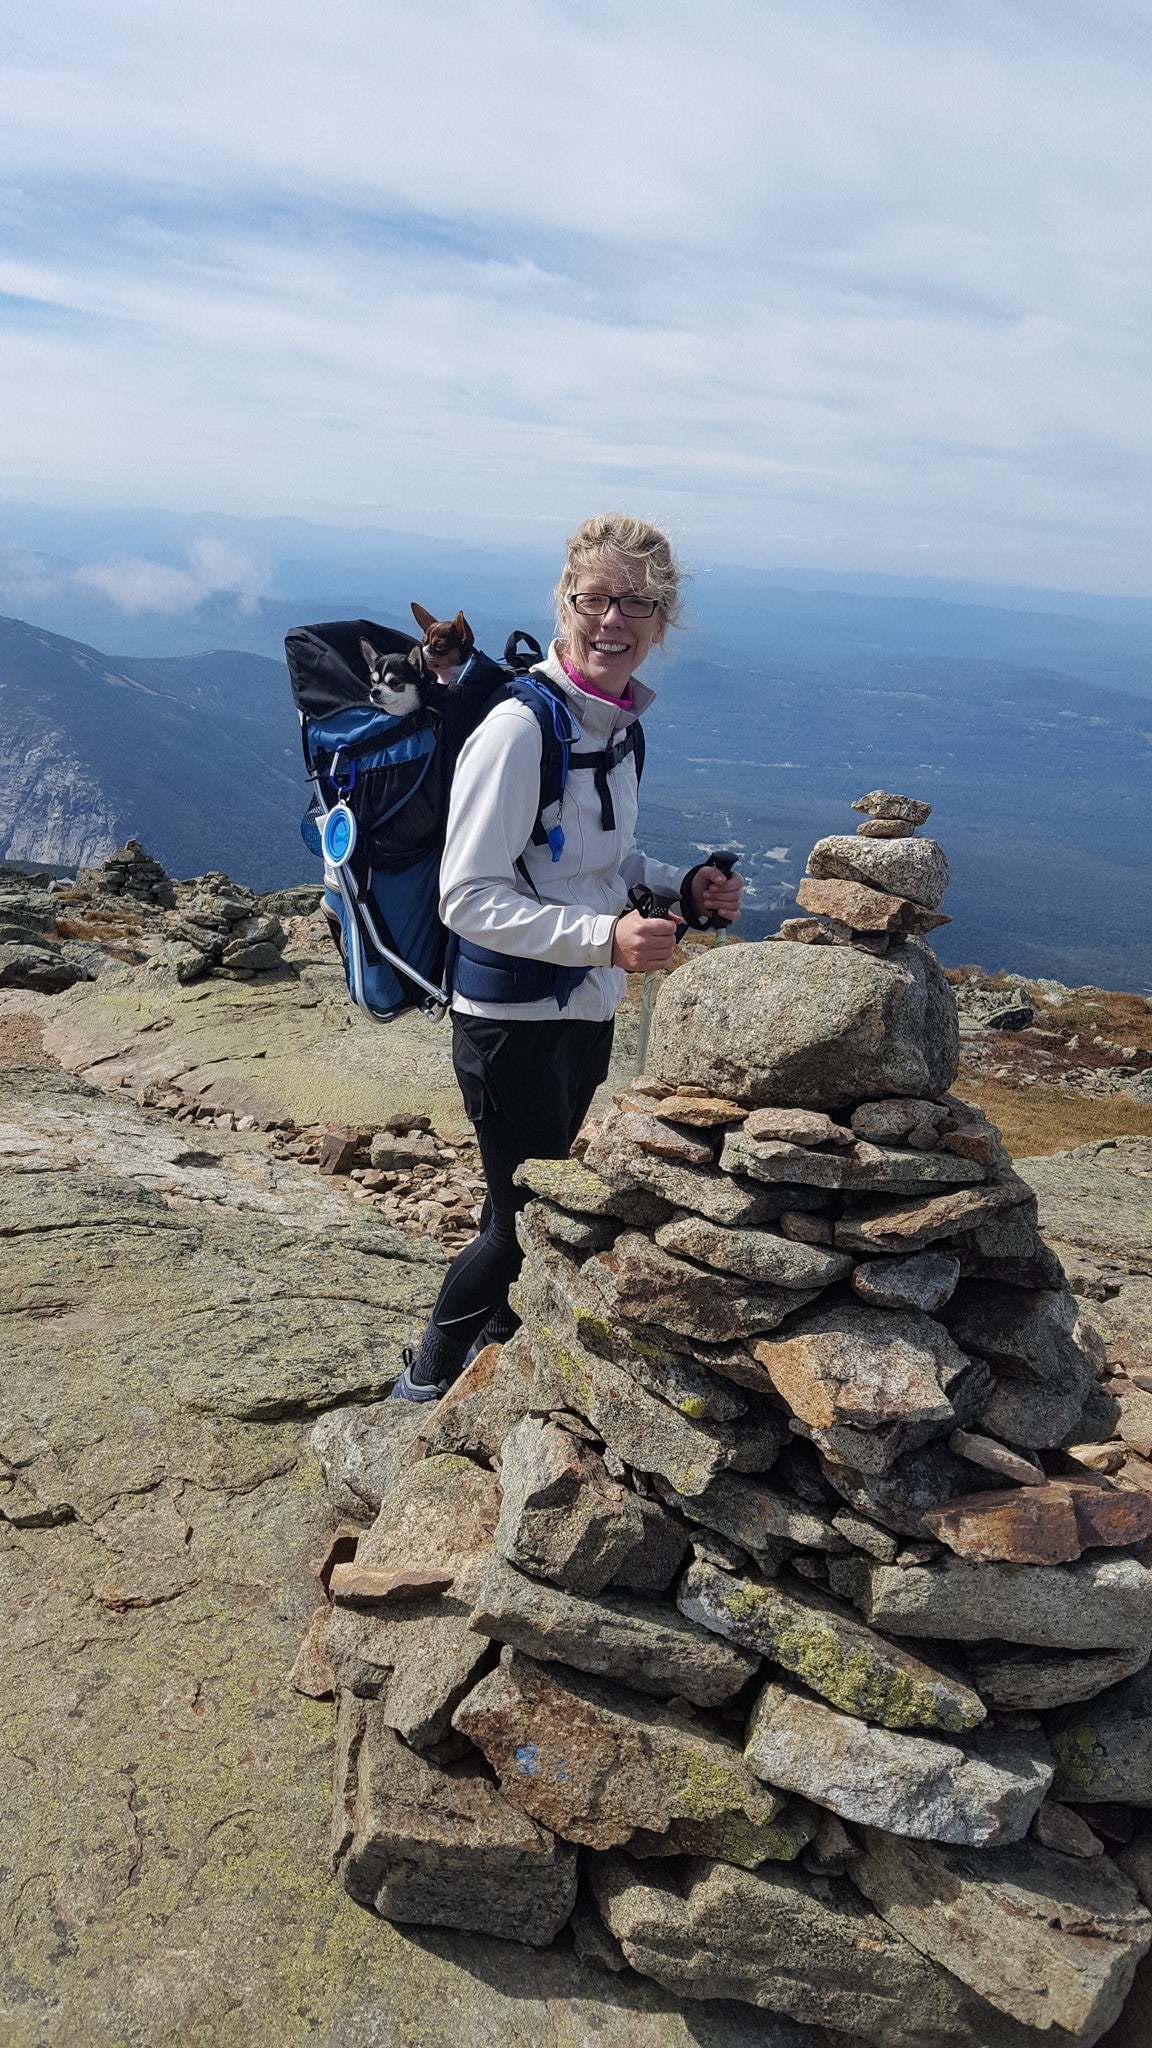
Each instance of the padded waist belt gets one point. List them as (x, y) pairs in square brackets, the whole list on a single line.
[(482, 976)]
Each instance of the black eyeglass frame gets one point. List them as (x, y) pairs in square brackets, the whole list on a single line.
[(604, 599)]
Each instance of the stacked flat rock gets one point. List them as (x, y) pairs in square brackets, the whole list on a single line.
[(882, 885), (746, 1607), (219, 927), (130, 871)]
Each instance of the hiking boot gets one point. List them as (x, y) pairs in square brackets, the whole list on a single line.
[(406, 1388)]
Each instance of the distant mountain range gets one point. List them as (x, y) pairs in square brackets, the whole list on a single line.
[(771, 717), (151, 582)]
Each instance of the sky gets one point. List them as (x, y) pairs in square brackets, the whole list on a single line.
[(837, 284)]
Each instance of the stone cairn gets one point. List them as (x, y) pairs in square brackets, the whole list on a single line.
[(130, 871), (747, 1610), (57, 932)]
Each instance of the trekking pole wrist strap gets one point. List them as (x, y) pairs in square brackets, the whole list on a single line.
[(697, 920)]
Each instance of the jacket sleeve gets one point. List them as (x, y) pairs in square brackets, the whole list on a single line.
[(495, 792), (663, 880)]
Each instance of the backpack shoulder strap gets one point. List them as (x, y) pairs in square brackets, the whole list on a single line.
[(558, 731), (605, 759)]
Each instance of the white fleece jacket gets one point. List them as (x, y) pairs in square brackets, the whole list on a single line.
[(495, 792)]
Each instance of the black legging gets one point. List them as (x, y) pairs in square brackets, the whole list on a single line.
[(526, 1088)]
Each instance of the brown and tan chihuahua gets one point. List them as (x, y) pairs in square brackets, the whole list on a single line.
[(448, 644)]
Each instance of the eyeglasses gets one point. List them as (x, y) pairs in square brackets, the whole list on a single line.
[(594, 604)]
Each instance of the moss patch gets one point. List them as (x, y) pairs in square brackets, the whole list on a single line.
[(1083, 1770), (844, 1671)]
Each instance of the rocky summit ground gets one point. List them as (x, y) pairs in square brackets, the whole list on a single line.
[(181, 1300), (174, 1320), (176, 1314)]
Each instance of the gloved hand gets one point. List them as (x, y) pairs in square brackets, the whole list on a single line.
[(714, 891)]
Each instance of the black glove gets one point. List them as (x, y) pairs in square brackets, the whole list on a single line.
[(710, 920)]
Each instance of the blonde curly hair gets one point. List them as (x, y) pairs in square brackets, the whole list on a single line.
[(629, 550)]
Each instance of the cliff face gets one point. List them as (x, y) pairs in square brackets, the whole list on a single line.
[(51, 807)]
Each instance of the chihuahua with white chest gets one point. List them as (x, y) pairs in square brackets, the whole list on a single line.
[(401, 683), (396, 682)]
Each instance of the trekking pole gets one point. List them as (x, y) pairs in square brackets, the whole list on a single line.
[(644, 902), (647, 1005)]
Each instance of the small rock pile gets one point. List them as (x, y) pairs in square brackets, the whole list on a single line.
[(872, 894), (130, 871), (54, 932), (218, 928), (749, 1609), (425, 1185)]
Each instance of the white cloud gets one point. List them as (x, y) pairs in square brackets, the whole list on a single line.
[(134, 584), (819, 283), (139, 585)]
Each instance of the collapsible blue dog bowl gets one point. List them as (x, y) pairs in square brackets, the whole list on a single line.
[(338, 836)]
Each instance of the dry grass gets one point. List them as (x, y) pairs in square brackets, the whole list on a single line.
[(1038, 1119), (112, 924), (1117, 1016)]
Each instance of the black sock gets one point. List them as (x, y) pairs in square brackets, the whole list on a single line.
[(437, 1358), (499, 1328)]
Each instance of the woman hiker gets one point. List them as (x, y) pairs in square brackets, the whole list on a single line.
[(545, 936)]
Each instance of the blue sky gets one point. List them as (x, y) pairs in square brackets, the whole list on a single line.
[(845, 284)]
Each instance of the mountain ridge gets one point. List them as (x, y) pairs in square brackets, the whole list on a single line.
[(95, 751)]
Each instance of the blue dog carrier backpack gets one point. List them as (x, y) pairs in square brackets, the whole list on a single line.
[(380, 792), (379, 808)]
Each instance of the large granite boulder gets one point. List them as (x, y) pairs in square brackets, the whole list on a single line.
[(1095, 1200), (807, 1027)]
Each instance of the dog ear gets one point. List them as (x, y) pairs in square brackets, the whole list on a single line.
[(463, 629), (423, 619), (370, 653)]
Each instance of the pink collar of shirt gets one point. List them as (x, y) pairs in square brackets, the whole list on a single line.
[(590, 690)]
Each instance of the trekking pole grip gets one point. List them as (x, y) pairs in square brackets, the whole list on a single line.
[(726, 862)]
